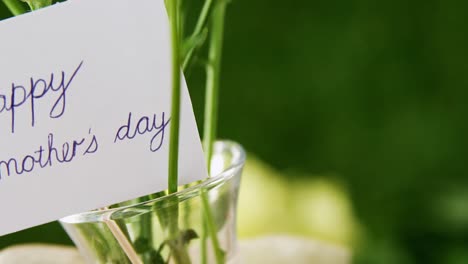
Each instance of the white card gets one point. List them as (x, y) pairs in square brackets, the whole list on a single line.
[(85, 96)]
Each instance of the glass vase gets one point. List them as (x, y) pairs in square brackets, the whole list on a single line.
[(195, 225)]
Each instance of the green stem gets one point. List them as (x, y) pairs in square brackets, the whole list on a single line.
[(146, 228), (175, 111), (211, 117), (203, 238), (201, 22), (213, 70), (178, 250), (15, 7), (211, 228)]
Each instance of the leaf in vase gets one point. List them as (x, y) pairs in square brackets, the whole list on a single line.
[(142, 245), (156, 257), (188, 235), (221, 208), (222, 253)]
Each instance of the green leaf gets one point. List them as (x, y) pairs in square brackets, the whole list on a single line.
[(221, 208), (156, 258), (16, 8), (188, 235), (194, 42), (142, 245), (37, 4), (222, 254)]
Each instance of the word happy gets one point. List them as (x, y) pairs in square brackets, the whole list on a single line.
[(27, 96)]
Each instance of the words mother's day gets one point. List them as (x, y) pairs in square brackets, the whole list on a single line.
[(26, 97)]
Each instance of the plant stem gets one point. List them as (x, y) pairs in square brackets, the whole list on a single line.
[(175, 111), (15, 7), (146, 228), (213, 70), (201, 22), (178, 250), (211, 228), (203, 239)]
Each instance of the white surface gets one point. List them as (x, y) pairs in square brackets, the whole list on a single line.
[(40, 254), (271, 250), (125, 51)]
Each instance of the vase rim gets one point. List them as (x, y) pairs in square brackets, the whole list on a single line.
[(230, 171)]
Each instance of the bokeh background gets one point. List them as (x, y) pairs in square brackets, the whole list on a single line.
[(354, 116)]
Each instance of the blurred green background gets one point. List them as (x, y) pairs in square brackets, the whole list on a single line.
[(359, 109)]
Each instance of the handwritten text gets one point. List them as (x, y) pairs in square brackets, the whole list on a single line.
[(144, 125), (22, 95)]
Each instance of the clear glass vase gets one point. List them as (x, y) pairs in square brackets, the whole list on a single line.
[(195, 225)]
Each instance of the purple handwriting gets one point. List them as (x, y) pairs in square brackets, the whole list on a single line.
[(142, 126), (49, 155), (29, 95)]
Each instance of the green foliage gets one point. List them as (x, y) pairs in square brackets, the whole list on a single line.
[(37, 4), (15, 7)]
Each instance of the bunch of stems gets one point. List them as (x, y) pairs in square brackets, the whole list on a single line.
[(210, 25)]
